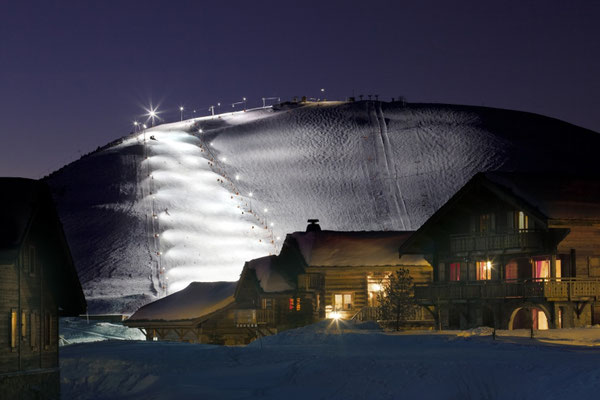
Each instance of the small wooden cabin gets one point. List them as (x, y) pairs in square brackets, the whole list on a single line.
[(200, 313), (38, 282), (514, 250), (317, 275), (326, 274)]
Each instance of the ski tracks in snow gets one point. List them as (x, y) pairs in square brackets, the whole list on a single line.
[(386, 170)]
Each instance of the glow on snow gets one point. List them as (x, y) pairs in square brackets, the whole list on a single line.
[(203, 232)]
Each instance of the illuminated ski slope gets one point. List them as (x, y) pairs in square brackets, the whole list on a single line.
[(219, 191)]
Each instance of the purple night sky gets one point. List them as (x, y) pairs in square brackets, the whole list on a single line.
[(75, 74)]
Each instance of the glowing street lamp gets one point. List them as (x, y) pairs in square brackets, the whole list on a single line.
[(136, 126), (152, 114), (244, 99), (181, 113), (323, 94)]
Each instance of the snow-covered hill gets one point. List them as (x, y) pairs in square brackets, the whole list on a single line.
[(191, 201)]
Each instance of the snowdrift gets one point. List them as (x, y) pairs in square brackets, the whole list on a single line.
[(193, 200)]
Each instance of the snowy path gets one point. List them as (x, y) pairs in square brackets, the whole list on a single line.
[(323, 364)]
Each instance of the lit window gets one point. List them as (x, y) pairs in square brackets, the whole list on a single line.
[(13, 328), (455, 271), (484, 270), (347, 302), (541, 268), (342, 301), (294, 304), (267, 304), (23, 325), (511, 270), (523, 221)]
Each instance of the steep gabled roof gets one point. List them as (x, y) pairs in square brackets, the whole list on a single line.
[(363, 248), (556, 196), (544, 196), (27, 204), (19, 201)]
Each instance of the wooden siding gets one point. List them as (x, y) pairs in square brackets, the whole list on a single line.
[(554, 289), (353, 280), (24, 289), (585, 240)]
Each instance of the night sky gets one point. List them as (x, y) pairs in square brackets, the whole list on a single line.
[(75, 75)]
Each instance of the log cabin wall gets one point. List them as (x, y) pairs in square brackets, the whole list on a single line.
[(29, 327), (354, 280), (9, 302), (585, 240)]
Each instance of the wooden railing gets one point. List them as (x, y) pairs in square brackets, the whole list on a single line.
[(310, 281), (253, 317), (549, 288), (524, 239), (367, 314), (374, 314)]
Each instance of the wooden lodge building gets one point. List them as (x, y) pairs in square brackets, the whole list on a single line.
[(317, 275), (37, 282), (514, 250)]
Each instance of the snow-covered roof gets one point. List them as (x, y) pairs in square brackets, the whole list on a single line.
[(196, 300), (332, 248), (554, 195), (269, 276)]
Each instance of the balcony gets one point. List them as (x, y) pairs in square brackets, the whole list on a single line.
[(557, 289), (484, 242), (253, 317)]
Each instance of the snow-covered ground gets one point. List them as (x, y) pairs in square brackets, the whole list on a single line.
[(193, 200), (81, 330), (331, 361)]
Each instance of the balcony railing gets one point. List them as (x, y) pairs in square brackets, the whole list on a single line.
[(548, 288), (374, 314), (523, 239), (253, 317)]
